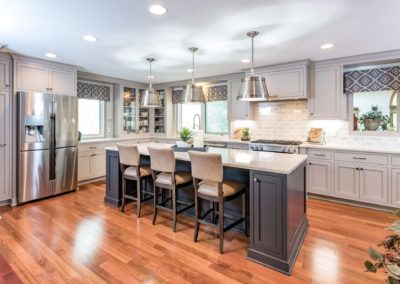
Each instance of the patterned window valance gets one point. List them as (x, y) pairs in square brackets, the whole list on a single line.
[(94, 91), (372, 80), (217, 93), (178, 96)]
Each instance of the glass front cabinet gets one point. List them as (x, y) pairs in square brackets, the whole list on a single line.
[(140, 120)]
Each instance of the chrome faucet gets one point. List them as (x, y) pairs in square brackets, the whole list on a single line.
[(194, 121)]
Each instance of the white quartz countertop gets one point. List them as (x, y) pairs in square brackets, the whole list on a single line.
[(245, 159), (358, 148)]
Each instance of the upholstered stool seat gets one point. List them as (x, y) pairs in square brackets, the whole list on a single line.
[(180, 178), (132, 171), (229, 188)]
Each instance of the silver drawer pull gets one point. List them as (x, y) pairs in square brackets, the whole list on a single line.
[(320, 155), (359, 158), (92, 147), (273, 97)]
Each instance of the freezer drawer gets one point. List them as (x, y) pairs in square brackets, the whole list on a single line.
[(66, 163), (34, 175)]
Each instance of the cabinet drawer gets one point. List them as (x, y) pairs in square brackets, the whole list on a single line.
[(92, 147), (319, 154), (361, 158), (395, 160)]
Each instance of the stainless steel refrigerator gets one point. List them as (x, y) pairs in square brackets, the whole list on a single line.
[(47, 145)]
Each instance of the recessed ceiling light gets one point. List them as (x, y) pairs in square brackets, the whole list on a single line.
[(51, 55), (89, 38), (190, 70), (326, 45), (157, 9), (245, 60)]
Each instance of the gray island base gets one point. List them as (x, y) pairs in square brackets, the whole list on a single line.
[(276, 198)]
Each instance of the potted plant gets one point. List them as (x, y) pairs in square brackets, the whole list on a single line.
[(185, 134), (374, 119), (245, 134), (389, 259)]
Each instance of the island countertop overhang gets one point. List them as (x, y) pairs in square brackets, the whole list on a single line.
[(280, 163)]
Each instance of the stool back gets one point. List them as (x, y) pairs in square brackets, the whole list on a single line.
[(162, 159), (129, 155), (206, 166)]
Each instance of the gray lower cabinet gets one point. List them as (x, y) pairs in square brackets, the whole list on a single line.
[(395, 177), (319, 177), (373, 184), (347, 181), (278, 221)]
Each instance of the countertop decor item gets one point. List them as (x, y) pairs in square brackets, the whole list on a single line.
[(253, 87), (151, 97), (194, 93), (388, 260), (315, 135), (185, 134), (245, 134)]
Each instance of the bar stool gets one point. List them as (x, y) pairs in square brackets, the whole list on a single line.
[(207, 173), (165, 176), (131, 169)]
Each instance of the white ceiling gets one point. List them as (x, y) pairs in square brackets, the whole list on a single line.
[(128, 33)]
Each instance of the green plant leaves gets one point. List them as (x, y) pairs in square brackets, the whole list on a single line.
[(395, 226), (397, 213), (375, 255), (370, 266), (185, 134), (394, 271)]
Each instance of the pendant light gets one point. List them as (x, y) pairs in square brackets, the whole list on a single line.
[(151, 97), (253, 87), (194, 94)]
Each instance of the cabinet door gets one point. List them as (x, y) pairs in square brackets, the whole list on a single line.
[(62, 81), (99, 165), (4, 74), (238, 109), (373, 184), (84, 166), (32, 77), (266, 223), (5, 190), (347, 180), (286, 84), (326, 92), (396, 187), (319, 177)]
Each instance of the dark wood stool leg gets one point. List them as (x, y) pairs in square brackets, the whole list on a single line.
[(138, 197), (197, 216), (123, 193), (173, 210), (221, 225), (155, 203)]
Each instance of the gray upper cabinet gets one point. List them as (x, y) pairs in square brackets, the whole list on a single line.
[(4, 74), (32, 76), (238, 110), (5, 147), (287, 82), (326, 101)]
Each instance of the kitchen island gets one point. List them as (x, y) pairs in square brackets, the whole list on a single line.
[(276, 191)]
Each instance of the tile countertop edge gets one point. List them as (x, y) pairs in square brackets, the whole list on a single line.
[(249, 166), (356, 148)]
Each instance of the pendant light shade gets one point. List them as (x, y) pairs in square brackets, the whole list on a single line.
[(193, 93), (151, 97), (253, 87)]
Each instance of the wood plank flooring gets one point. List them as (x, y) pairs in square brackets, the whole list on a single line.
[(75, 238)]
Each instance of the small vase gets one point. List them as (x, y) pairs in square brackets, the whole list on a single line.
[(372, 124), (182, 144)]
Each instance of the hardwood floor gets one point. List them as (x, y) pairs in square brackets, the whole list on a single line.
[(76, 238)]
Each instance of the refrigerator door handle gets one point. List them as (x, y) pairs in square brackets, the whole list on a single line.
[(52, 141)]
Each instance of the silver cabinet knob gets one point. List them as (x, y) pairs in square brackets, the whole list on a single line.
[(255, 179)]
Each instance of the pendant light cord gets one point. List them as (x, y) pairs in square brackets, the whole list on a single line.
[(252, 55), (193, 67), (150, 77)]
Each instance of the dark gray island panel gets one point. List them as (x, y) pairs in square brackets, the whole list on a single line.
[(278, 221)]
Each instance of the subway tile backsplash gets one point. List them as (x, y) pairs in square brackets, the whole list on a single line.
[(290, 120)]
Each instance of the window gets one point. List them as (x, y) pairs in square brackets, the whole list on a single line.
[(191, 116), (91, 118), (217, 117)]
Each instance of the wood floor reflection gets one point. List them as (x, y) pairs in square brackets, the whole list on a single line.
[(75, 238)]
